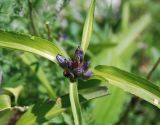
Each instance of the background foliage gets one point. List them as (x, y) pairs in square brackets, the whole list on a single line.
[(126, 34)]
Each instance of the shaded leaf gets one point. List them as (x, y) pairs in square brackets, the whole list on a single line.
[(44, 111), (30, 59), (5, 116), (93, 92)]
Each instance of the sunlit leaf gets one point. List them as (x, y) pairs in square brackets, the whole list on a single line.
[(15, 91), (5, 102), (31, 44), (88, 26), (130, 83)]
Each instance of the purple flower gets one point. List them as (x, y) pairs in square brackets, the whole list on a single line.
[(77, 68), (79, 54), (87, 74), (63, 62)]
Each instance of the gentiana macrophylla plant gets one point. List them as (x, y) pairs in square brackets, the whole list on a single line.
[(74, 69)]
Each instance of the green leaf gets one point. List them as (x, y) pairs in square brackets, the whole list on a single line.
[(94, 92), (5, 116), (44, 111), (88, 26), (30, 59), (15, 91), (5, 102), (75, 105), (114, 104), (31, 44), (130, 83)]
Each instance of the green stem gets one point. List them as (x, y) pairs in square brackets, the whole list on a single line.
[(75, 105), (48, 31), (31, 18), (153, 69)]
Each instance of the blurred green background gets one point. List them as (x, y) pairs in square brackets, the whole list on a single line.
[(126, 34)]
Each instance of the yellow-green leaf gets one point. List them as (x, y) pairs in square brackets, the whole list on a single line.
[(88, 26), (15, 91), (130, 83), (31, 44), (5, 102)]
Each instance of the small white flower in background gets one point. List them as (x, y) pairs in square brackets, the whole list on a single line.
[(59, 4), (113, 3)]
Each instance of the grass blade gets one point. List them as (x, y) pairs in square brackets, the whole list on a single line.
[(74, 99), (130, 83), (88, 26), (125, 16), (134, 31), (31, 44)]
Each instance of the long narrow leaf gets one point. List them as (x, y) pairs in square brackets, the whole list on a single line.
[(130, 83), (88, 26), (31, 44)]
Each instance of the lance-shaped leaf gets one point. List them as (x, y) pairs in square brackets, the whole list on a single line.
[(44, 111), (88, 26), (31, 44), (131, 83)]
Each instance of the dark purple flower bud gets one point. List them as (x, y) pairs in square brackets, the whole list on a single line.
[(68, 73), (69, 63), (87, 74), (86, 66), (79, 54), (61, 60), (78, 71)]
